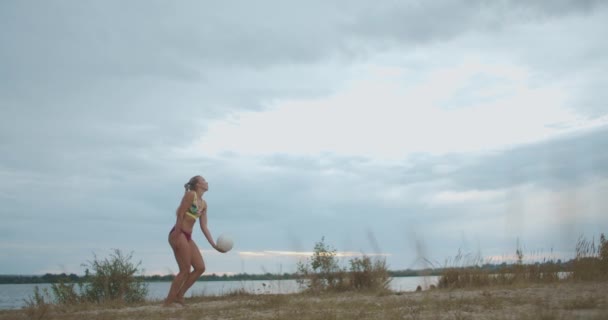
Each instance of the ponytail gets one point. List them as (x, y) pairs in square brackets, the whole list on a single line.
[(191, 183)]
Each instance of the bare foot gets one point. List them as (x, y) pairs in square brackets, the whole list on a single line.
[(168, 304), (181, 301)]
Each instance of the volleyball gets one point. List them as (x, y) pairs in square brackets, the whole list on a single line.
[(224, 242)]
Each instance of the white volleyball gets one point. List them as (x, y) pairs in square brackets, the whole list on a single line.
[(224, 242)]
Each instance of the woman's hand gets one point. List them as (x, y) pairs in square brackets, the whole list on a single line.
[(218, 249)]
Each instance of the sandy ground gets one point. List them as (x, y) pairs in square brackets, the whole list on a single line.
[(553, 301)]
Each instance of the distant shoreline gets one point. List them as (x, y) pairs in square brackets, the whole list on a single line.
[(73, 278), (4, 279)]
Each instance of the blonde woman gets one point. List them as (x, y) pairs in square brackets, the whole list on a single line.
[(187, 254)]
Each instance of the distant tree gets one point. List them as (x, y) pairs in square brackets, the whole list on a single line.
[(321, 271)]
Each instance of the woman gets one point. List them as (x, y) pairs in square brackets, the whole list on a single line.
[(185, 249)]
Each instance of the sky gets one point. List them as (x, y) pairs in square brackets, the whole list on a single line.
[(405, 130)]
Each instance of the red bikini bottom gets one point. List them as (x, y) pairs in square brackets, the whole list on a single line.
[(188, 235)]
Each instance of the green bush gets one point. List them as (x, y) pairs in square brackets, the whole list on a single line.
[(110, 279), (114, 279), (64, 292), (322, 271), (368, 274)]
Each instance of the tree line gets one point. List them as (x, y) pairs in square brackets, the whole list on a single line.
[(63, 277)]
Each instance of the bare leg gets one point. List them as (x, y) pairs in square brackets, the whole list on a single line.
[(181, 249), (199, 267)]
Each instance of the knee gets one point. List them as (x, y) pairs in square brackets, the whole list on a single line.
[(182, 274), (199, 270)]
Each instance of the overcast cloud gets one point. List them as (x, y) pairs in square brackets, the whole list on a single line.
[(382, 127)]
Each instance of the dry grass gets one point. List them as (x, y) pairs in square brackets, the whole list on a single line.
[(517, 292), (590, 264), (567, 300)]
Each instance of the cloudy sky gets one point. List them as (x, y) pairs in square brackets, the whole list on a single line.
[(411, 129)]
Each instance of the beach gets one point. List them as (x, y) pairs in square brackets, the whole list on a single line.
[(563, 300)]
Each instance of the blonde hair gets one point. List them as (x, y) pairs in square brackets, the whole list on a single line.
[(191, 183)]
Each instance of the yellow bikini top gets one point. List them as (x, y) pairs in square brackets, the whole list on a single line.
[(195, 210)]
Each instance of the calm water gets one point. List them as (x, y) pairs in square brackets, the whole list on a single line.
[(12, 295)]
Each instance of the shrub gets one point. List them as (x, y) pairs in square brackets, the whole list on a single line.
[(36, 306), (64, 292), (114, 279), (110, 279), (322, 271), (368, 274)]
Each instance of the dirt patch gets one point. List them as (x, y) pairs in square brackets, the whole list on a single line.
[(570, 300)]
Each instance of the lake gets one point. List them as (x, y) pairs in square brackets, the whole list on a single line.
[(12, 296)]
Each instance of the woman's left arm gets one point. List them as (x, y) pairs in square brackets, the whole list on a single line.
[(206, 232)]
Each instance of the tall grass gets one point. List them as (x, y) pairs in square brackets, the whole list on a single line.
[(37, 305), (366, 277), (581, 300), (367, 274), (463, 271), (590, 263), (113, 279)]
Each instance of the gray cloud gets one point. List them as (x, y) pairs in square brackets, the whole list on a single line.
[(553, 164), (108, 77), (287, 203), (559, 164), (97, 98), (421, 22)]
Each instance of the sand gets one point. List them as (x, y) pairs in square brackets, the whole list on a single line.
[(567, 300)]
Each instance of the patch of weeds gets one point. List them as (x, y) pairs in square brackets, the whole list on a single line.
[(581, 303), (412, 313), (488, 301), (460, 315), (543, 312), (240, 292), (37, 306), (275, 301)]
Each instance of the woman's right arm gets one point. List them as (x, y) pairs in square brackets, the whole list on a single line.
[(183, 207)]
